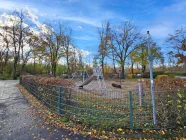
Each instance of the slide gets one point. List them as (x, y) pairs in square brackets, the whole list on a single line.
[(87, 81)]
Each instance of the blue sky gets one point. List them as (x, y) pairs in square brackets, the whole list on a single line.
[(160, 17)]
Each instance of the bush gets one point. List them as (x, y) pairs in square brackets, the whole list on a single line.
[(170, 107), (168, 84), (161, 77), (130, 75), (49, 81), (173, 74), (155, 74), (5, 76)]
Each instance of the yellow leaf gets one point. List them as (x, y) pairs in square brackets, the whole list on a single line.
[(119, 129), (89, 133), (163, 132), (123, 132), (105, 137)]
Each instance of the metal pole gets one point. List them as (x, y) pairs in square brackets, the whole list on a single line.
[(131, 109), (60, 100), (150, 58), (140, 92)]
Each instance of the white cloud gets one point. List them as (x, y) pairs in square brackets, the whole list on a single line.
[(82, 19), (168, 19), (85, 37), (84, 53), (8, 5), (32, 16), (42, 27), (79, 27), (177, 7), (9, 20)]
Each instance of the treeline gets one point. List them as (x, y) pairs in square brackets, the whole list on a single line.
[(39, 49), (124, 44), (45, 45)]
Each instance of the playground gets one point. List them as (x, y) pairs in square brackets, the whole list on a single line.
[(96, 81), (93, 102)]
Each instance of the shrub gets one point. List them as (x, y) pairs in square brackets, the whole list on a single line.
[(168, 84), (130, 75), (173, 74), (170, 107), (155, 74), (50, 81), (161, 77)]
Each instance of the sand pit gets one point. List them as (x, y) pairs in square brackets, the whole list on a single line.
[(126, 85)]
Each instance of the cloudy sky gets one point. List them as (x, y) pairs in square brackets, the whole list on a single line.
[(160, 17)]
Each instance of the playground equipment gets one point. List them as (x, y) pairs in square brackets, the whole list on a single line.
[(82, 74), (140, 91), (116, 85), (97, 73)]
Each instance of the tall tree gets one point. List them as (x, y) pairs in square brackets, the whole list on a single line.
[(32, 42), (55, 45), (18, 31), (140, 54), (104, 36), (4, 48), (125, 38), (68, 47)]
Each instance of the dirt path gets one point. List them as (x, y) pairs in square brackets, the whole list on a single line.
[(18, 120)]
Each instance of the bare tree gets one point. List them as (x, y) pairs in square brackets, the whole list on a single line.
[(55, 45), (125, 38), (80, 57), (32, 42), (178, 42), (18, 32), (68, 50), (104, 36), (5, 48)]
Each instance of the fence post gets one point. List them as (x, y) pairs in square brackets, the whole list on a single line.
[(60, 100), (20, 80), (131, 109)]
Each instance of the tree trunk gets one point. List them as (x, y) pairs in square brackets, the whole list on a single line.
[(68, 66), (102, 65), (15, 70), (53, 70), (132, 69), (48, 69), (143, 70), (114, 69), (54, 73), (22, 68), (34, 65), (122, 69)]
